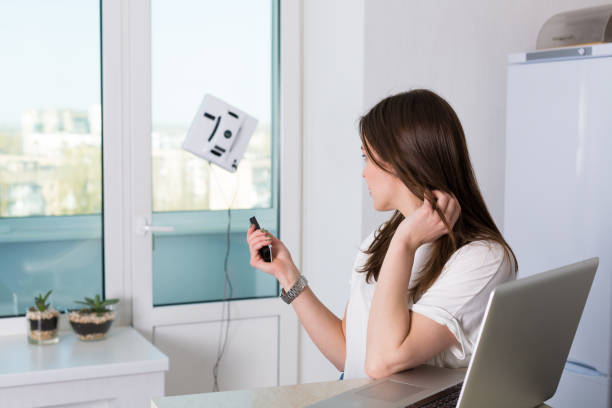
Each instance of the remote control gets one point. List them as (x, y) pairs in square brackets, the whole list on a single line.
[(265, 251)]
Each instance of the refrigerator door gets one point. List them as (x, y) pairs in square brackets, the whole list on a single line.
[(558, 193), (581, 390)]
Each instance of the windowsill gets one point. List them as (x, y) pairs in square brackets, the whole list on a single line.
[(123, 352)]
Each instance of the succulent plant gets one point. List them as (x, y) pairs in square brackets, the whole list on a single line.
[(40, 300), (96, 305)]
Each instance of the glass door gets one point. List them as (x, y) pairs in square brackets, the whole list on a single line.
[(196, 297)]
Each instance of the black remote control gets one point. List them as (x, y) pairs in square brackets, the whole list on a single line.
[(265, 251)]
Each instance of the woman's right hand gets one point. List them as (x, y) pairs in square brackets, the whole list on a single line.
[(282, 266)]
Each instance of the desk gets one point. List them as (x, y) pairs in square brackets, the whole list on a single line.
[(123, 370), (288, 396)]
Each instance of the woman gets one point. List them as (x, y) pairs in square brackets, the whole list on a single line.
[(421, 281)]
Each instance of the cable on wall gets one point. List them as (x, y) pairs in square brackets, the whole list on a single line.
[(227, 286)]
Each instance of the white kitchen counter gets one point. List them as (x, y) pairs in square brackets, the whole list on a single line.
[(124, 368)]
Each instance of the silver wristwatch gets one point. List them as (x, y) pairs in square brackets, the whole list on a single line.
[(295, 290)]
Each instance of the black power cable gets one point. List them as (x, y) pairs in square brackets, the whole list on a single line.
[(228, 291), (225, 310)]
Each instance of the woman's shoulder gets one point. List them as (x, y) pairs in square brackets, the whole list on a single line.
[(367, 241), (362, 257), (482, 247), (484, 255)]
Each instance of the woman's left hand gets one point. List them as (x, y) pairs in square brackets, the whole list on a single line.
[(425, 225)]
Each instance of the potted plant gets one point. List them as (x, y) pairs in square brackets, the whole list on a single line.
[(92, 321), (42, 321)]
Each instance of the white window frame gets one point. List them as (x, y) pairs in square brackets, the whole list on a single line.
[(145, 317)]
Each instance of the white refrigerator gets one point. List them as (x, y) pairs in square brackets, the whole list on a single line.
[(558, 193)]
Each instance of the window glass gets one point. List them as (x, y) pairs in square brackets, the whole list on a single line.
[(228, 49), (50, 152)]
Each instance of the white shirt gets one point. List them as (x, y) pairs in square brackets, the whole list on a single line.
[(457, 300)]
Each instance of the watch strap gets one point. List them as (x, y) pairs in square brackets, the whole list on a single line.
[(295, 290)]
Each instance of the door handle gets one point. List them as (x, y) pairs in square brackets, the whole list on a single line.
[(143, 227)]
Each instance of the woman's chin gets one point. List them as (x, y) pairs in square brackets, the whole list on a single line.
[(380, 207)]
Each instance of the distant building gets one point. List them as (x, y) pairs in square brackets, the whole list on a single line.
[(47, 132), (54, 171)]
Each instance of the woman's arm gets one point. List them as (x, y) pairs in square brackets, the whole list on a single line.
[(398, 339), (325, 329)]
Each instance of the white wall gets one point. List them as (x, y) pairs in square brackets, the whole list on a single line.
[(459, 50), (332, 100), (356, 53)]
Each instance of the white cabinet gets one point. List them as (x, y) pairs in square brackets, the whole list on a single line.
[(558, 195), (124, 370), (581, 390)]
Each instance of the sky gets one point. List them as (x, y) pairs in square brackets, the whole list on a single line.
[(50, 56), (217, 47)]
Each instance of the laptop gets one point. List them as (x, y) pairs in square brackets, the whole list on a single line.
[(527, 331)]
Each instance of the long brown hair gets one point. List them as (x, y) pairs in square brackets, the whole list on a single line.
[(418, 136)]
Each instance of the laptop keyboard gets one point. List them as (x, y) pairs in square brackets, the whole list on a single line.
[(446, 398)]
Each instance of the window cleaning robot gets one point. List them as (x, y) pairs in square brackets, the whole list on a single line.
[(220, 133)]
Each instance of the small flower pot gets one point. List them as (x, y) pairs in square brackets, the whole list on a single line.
[(42, 326), (90, 325)]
